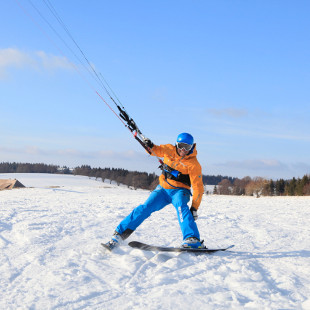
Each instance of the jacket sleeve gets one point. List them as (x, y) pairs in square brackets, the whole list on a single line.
[(161, 150), (197, 184)]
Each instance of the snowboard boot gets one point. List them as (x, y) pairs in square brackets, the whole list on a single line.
[(193, 242), (115, 241)]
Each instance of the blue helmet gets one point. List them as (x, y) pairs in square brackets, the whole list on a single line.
[(185, 138)]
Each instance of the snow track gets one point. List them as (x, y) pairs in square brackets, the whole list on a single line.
[(51, 256)]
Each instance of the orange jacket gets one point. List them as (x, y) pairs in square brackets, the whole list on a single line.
[(186, 165)]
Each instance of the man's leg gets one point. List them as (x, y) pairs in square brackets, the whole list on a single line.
[(156, 201), (180, 199)]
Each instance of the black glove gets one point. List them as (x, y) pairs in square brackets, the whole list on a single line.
[(194, 213), (148, 143)]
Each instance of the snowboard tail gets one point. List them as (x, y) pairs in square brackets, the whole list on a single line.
[(147, 247)]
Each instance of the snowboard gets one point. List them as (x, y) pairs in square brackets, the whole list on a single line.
[(147, 247)]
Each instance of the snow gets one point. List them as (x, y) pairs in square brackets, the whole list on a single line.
[(51, 256)]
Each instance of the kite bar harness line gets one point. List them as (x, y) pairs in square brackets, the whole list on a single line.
[(131, 125), (123, 116)]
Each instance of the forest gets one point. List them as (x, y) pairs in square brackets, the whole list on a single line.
[(262, 187), (134, 179), (224, 185)]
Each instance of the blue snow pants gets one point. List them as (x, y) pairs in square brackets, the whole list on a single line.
[(158, 199)]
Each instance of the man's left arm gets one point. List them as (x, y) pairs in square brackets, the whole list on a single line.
[(197, 185)]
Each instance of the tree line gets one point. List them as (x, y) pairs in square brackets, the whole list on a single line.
[(223, 185), (216, 179), (28, 168), (134, 179), (261, 187)]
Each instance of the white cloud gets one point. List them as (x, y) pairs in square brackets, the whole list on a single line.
[(254, 164), (33, 150), (15, 58), (228, 112), (268, 168), (53, 62), (10, 57)]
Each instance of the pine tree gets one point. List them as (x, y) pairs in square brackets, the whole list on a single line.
[(280, 187)]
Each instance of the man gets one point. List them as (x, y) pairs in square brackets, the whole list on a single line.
[(181, 171)]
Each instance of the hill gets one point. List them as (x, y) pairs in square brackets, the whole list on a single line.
[(51, 257)]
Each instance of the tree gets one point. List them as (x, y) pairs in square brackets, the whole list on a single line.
[(306, 190), (224, 187), (301, 183), (290, 188), (254, 187), (238, 187), (280, 187), (269, 188)]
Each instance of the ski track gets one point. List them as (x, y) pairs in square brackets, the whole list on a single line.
[(51, 256)]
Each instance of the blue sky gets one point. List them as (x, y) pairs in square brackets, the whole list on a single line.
[(234, 74)]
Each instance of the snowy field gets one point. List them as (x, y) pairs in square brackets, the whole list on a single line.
[(51, 257)]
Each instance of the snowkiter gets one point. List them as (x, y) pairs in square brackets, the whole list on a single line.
[(181, 172)]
